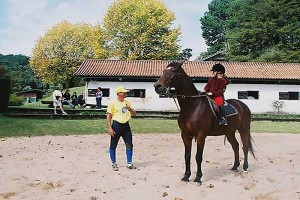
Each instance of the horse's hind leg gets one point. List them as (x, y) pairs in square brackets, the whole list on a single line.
[(235, 146), (245, 136), (187, 140)]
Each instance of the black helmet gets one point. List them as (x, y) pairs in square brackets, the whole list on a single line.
[(218, 68)]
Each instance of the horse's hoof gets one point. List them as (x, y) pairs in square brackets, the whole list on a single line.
[(198, 180), (235, 169), (185, 179), (245, 171)]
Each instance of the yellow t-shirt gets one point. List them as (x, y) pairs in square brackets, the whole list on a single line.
[(118, 111)]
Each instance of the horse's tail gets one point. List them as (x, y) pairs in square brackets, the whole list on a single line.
[(250, 146)]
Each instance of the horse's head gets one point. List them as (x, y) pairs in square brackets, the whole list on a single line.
[(169, 77)]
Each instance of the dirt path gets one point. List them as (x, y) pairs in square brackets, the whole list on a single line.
[(78, 167)]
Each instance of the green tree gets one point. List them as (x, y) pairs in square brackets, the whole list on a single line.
[(141, 29), (214, 25), (266, 30), (18, 69), (185, 54), (57, 54)]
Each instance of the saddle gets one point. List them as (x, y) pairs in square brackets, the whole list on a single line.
[(229, 109)]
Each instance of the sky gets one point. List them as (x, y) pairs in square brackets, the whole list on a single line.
[(23, 22)]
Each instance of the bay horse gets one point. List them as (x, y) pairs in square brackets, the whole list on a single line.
[(197, 119)]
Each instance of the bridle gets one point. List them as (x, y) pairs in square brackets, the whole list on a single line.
[(170, 80)]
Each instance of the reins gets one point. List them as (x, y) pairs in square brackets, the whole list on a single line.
[(195, 96), (191, 96)]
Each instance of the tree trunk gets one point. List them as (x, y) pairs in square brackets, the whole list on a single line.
[(5, 93)]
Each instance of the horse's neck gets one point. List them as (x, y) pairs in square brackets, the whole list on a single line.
[(186, 88)]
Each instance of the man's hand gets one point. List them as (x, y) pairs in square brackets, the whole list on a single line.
[(111, 132), (127, 107)]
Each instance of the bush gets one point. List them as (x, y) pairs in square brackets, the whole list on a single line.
[(278, 106), (15, 100)]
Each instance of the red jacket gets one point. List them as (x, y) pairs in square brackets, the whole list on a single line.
[(216, 86)]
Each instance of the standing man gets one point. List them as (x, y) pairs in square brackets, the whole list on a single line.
[(57, 98), (99, 95), (119, 112)]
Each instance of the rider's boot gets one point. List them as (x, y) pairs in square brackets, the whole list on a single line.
[(223, 118)]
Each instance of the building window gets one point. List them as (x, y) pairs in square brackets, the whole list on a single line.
[(92, 92), (289, 96), (169, 94), (141, 93), (248, 94)]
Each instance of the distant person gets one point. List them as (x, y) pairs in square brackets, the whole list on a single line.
[(80, 100), (99, 95), (57, 101), (74, 99), (119, 112), (67, 99)]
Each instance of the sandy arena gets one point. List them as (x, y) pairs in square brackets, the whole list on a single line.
[(78, 167)]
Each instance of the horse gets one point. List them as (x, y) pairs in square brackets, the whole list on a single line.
[(197, 119)]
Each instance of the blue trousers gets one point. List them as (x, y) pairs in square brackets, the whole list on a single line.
[(68, 102), (124, 131), (99, 102)]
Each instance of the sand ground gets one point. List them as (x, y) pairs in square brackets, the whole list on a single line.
[(78, 167)]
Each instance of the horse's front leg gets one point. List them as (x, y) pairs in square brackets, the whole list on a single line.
[(187, 140), (199, 157)]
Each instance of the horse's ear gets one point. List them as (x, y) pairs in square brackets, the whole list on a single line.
[(180, 62), (176, 64)]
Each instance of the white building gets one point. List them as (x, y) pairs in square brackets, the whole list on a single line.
[(258, 85)]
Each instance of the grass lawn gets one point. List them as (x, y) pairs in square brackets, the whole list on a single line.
[(15, 127)]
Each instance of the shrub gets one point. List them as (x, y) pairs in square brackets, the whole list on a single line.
[(15, 100), (278, 106)]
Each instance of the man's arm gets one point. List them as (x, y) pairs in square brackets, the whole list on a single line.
[(110, 130), (132, 112)]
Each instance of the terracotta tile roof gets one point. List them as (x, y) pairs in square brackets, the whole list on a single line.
[(199, 69)]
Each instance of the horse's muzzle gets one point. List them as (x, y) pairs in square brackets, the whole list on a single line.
[(159, 89)]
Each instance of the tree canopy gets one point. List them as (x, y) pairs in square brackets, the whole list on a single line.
[(58, 53), (254, 30), (214, 25), (141, 29), (17, 68)]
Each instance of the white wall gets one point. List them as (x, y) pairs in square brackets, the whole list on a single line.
[(267, 95)]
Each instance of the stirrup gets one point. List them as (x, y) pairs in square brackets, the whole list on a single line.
[(223, 122)]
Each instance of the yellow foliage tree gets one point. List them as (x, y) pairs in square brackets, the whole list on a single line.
[(141, 29), (58, 53)]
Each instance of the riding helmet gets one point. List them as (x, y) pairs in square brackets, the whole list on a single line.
[(218, 68)]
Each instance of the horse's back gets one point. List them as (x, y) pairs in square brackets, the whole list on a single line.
[(240, 106), (242, 120)]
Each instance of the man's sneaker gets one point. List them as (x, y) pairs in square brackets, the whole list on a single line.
[(64, 113), (115, 167), (131, 166), (55, 113)]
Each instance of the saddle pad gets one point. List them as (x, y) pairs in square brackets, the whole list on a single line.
[(230, 110)]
